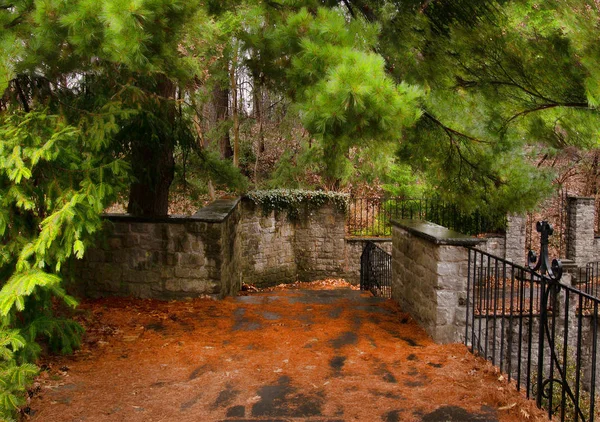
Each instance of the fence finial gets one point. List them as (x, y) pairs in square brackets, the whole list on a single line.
[(555, 270)]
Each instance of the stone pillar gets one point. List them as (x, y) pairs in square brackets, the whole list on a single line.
[(429, 276), (515, 238), (580, 230)]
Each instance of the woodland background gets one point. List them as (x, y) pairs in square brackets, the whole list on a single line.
[(151, 104)]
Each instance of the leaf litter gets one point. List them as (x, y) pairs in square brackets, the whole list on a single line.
[(293, 352)]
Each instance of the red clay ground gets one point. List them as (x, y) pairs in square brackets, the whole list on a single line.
[(284, 355)]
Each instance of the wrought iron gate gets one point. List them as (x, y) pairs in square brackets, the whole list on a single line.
[(376, 270), (540, 332)]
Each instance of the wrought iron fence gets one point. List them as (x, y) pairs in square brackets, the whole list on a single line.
[(376, 270), (587, 279), (555, 211), (541, 333), (371, 217)]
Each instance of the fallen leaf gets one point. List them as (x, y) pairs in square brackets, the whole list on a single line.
[(508, 407)]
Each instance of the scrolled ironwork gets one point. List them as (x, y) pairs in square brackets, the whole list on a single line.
[(527, 321), (550, 289), (542, 265)]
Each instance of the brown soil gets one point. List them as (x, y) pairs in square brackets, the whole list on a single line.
[(286, 354)]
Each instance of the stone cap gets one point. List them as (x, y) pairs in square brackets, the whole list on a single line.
[(435, 233), (581, 198), (215, 212)]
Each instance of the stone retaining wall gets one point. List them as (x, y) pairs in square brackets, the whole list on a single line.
[(580, 233), (168, 258), (429, 276), (277, 249), (225, 244), (267, 243), (233, 241)]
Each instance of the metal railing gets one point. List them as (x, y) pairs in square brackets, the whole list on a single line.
[(587, 279), (376, 270), (371, 217), (555, 211), (538, 331)]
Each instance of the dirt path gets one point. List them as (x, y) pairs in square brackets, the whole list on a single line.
[(316, 355)]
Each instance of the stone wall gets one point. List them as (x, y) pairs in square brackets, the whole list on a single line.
[(515, 239), (493, 244), (277, 249), (267, 243), (580, 233), (167, 258), (320, 245), (429, 276), (225, 244)]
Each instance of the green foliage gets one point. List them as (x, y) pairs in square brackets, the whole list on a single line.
[(14, 381), (297, 202), (205, 165), (84, 87), (402, 182), (501, 79), (553, 389), (53, 187), (292, 169), (340, 87)]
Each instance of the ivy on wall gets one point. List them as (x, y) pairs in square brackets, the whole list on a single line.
[(295, 201)]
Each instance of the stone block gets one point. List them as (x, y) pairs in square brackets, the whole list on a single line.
[(196, 228), (447, 269), (193, 286), (451, 254), (141, 227), (186, 272), (173, 285), (95, 255), (131, 240), (141, 291), (119, 228), (115, 243), (444, 316), (447, 299), (191, 260), (133, 276), (167, 272)]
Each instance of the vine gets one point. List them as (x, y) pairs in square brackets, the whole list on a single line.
[(294, 200)]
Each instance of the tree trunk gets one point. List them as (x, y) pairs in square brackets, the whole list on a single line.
[(221, 104), (234, 109), (257, 96), (152, 162), (154, 170)]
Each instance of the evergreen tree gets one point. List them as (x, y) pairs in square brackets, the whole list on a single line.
[(504, 81), (338, 84), (88, 101)]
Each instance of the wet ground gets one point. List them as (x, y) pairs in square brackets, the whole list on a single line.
[(286, 355)]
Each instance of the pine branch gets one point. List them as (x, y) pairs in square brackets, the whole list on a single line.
[(14, 22), (452, 133), (21, 95), (473, 84), (541, 107), (350, 8)]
